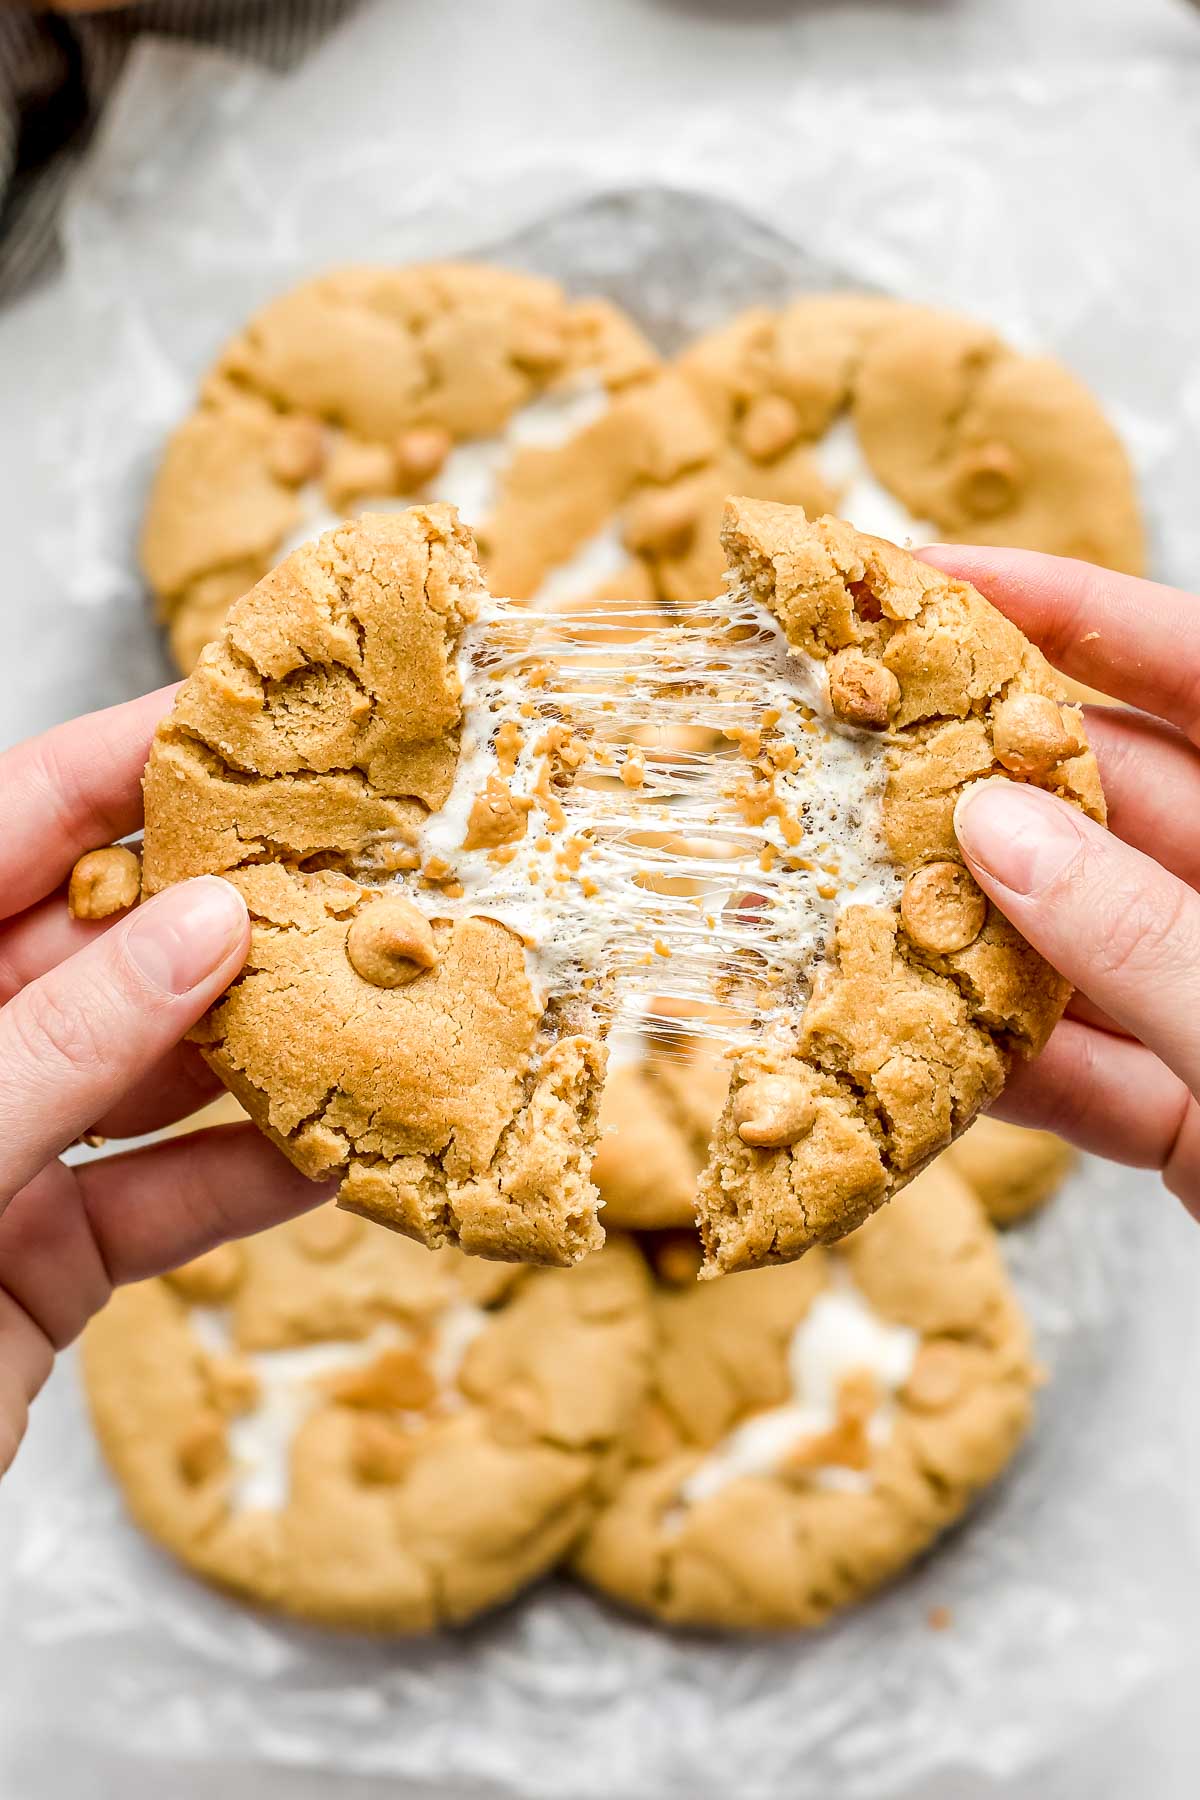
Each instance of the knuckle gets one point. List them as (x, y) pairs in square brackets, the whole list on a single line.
[(56, 1034), (1144, 931)]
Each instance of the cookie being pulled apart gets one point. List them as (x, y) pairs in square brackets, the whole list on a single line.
[(456, 856)]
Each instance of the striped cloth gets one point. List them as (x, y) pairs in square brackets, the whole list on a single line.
[(57, 70)]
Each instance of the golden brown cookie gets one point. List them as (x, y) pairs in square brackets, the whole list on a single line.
[(539, 416), (811, 1430), (435, 826), (905, 420), (1014, 1171), (337, 1424)]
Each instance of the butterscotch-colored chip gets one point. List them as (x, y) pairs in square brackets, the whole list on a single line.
[(381, 1452), (937, 1377), (391, 942), (862, 691), (202, 1448), (355, 468), (660, 521), (296, 450), (772, 1111), (942, 907), (770, 425), (988, 480), (1031, 735), (104, 882), (210, 1278), (420, 453)]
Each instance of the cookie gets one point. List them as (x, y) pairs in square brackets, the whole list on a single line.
[(539, 416), (1014, 1171), (810, 1430), (381, 759), (336, 1424), (910, 422)]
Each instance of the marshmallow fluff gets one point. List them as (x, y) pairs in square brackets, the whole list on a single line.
[(839, 1336), (288, 1389), (659, 869)]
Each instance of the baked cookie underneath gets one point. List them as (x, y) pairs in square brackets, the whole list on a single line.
[(811, 1430), (1014, 1171), (334, 1423), (911, 423), (540, 416)]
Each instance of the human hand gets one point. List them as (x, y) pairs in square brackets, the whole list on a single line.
[(90, 1021), (1116, 912)]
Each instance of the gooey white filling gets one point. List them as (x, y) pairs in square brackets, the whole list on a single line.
[(839, 1336), (574, 886), (260, 1440)]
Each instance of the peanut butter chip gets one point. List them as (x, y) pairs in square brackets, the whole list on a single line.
[(497, 817), (770, 426), (660, 522), (391, 942), (397, 1381), (296, 451), (538, 345), (936, 1379), (677, 1259), (380, 1451), (211, 1278), (357, 467), (862, 691), (231, 1383), (202, 1449), (420, 453), (988, 481), (104, 882), (1031, 736), (773, 1110), (942, 908)]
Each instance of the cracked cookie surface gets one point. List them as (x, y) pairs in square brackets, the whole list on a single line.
[(535, 413), (810, 1430), (336, 1424)]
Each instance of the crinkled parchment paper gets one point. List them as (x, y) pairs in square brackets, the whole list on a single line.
[(206, 194)]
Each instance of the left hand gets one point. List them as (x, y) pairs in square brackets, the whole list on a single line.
[(91, 1018)]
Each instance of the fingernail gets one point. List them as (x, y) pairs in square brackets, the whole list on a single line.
[(1020, 836), (177, 939)]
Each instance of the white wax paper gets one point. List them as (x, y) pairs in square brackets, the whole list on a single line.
[(211, 189)]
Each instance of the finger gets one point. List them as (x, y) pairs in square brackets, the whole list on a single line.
[(77, 1039), (26, 1359), (1134, 639), (1111, 1096), (1151, 777), (1088, 1013), (41, 938), (72, 1234), (155, 1208), (179, 1084), (1119, 927), (71, 790)]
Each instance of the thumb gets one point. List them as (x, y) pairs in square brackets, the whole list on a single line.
[(73, 1041)]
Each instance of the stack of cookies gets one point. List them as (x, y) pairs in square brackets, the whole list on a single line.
[(719, 852)]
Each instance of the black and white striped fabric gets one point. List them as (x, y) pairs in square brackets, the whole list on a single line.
[(57, 69)]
